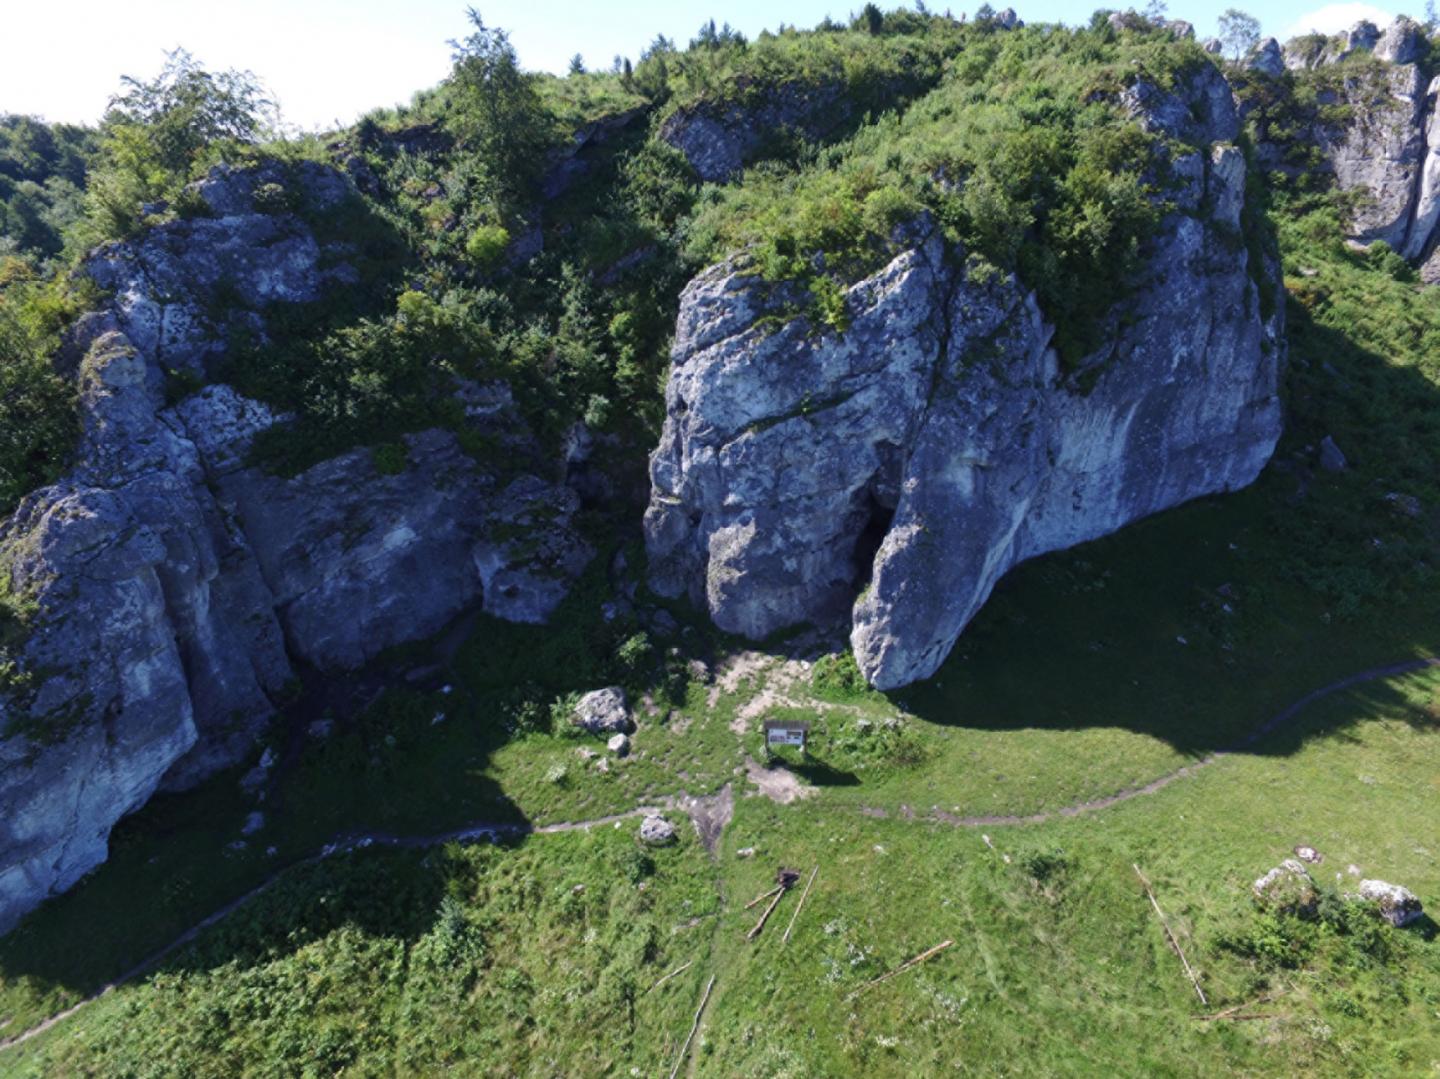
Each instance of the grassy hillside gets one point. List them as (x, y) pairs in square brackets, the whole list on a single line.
[(1090, 674)]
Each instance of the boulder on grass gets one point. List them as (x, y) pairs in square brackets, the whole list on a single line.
[(657, 831), (1398, 905), (603, 711), (1288, 888)]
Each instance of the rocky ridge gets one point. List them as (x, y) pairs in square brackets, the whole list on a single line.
[(179, 591), (1375, 128), (898, 470)]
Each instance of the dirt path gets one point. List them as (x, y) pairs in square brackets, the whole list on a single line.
[(1269, 727), (705, 813)]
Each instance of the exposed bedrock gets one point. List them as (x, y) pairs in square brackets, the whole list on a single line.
[(175, 587), (899, 469)]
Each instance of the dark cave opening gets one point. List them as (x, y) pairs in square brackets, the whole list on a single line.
[(878, 517)]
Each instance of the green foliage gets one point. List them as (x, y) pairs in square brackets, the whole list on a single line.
[(1045, 176), (498, 114), (42, 179), (837, 677), (38, 422), (155, 133), (486, 245), (1239, 32)]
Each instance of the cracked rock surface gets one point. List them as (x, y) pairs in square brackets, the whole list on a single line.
[(177, 590), (896, 471)]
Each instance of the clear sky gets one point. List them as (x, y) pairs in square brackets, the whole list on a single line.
[(331, 60)]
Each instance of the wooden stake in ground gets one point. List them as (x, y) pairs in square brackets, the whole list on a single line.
[(1171, 936), (903, 967), (800, 904), (684, 1049), (677, 970), (755, 932)]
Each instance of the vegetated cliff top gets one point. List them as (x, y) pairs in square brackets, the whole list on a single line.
[(541, 228)]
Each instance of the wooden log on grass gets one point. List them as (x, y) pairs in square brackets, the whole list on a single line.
[(1195, 981), (755, 932), (903, 967), (684, 1049), (785, 939), (764, 896), (673, 973)]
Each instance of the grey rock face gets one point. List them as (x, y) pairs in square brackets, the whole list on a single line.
[(603, 711), (1267, 59), (937, 442), (1381, 152), (1397, 905), (720, 138), (1387, 147), (1403, 42), (175, 586)]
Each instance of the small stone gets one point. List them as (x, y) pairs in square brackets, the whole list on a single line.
[(603, 710), (1398, 905), (253, 823), (1331, 459), (1404, 505), (1309, 854), (603, 766), (320, 729), (745, 852), (657, 831), (619, 745)]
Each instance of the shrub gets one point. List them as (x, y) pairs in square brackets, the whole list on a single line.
[(486, 245)]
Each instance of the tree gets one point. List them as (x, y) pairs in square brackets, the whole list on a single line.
[(155, 132), (499, 113), (872, 19), (1239, 32), (186, 108), (577, 64), (1155, 10)]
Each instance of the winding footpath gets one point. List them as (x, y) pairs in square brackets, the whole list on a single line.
[(494, 830)]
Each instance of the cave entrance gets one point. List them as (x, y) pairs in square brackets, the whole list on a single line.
[(878, 517)]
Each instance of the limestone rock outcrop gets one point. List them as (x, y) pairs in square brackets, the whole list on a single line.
[(1375, 125), (178, 590), (899, 469)]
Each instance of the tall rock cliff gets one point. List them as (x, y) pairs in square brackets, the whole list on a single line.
[(176, 589), (1362, 107), (899, 469)]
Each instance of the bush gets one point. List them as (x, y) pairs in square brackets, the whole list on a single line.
[(838, 678), (38, 418), (486, 245)]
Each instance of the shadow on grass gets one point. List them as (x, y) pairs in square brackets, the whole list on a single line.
[(403, 771), (1206, 623), (820, 774)]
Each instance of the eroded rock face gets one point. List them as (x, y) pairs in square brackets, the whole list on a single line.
[(176, 587), (937, 442), (1385, 143)]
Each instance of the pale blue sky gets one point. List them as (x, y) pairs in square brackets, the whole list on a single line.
[(330, 60)]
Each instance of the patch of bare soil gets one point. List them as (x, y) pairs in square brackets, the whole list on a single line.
[(711, 815), (777, 782)]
